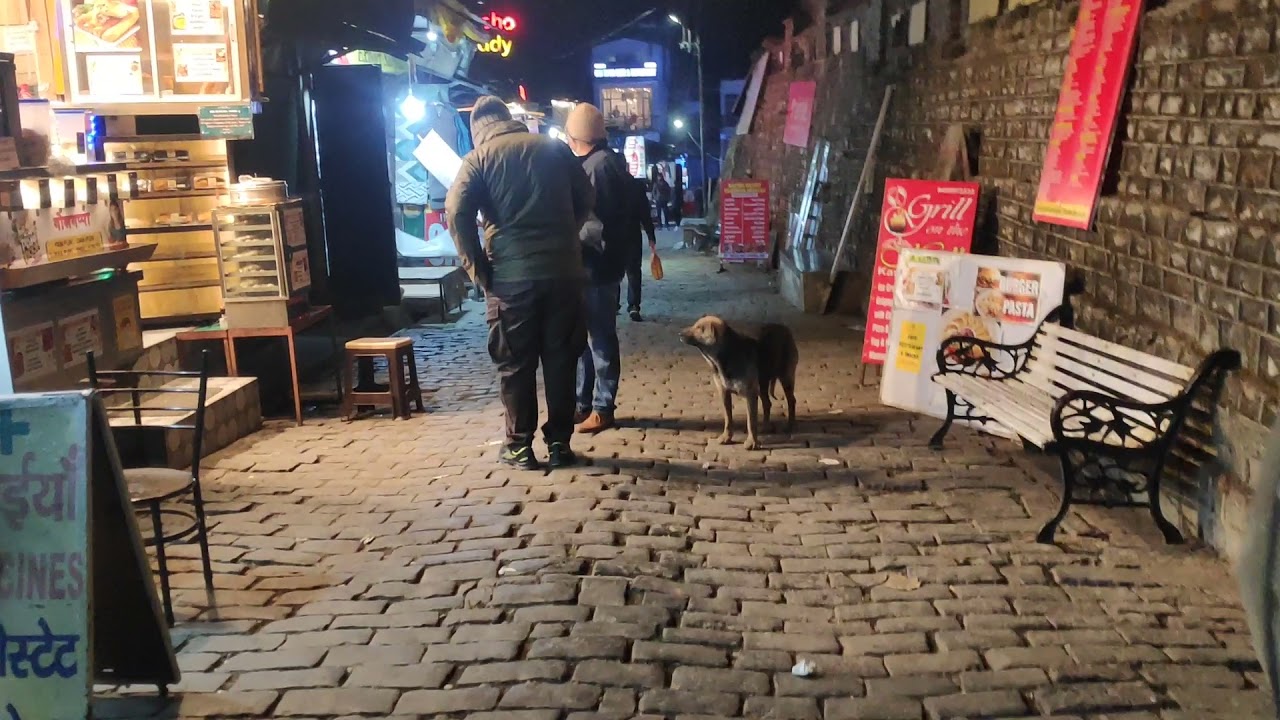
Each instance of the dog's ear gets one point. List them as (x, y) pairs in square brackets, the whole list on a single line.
[(713, 330)]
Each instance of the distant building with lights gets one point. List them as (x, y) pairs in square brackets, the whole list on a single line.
[(632, 87)]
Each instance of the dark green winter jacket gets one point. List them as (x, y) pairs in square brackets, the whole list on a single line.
[(533, 196)]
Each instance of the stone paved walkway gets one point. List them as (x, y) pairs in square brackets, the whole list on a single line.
[(390, 569)]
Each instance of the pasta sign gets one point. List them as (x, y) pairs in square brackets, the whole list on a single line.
[(502, 27)]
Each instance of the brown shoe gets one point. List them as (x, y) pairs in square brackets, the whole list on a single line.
[(595, 423), (580, 417)]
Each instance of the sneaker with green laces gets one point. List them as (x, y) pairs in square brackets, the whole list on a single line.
[(520, 456), (560, 455)]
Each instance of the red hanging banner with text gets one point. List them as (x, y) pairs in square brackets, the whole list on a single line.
[(919, 215), (744, 220), (1084, 126)]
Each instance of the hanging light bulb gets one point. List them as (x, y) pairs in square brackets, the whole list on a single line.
[(413, 108)]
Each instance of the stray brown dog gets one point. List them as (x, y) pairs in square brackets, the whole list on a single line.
[(750, 367)]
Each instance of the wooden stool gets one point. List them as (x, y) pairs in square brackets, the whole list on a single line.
[(398, 352)]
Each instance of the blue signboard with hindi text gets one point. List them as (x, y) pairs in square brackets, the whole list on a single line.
[(65, 520)]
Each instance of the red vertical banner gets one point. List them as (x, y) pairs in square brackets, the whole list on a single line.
[(800, 113), (744, 220), (1093, 85), (917, 215)]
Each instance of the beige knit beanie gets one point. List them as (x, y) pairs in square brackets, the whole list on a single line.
[(586, 124)]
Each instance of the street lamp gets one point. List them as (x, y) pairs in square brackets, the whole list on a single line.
[(690, 42), (679, 124)]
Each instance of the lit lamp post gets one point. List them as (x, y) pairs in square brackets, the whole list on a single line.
[(690, 42)]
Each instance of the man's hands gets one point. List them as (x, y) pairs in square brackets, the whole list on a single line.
[(484, 277)]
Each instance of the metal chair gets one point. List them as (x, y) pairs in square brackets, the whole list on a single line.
[(147, 399)]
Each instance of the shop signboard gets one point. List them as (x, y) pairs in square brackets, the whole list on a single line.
[(1093, 85), (34, 237), (744, 220), (634, 152), (938, 295), (198, 17), (229, 122), (32, 352), (81, 334), (800, 113), (923, 214), (67, 621)]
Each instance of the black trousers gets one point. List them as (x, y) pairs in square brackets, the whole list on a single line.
[(635, 275), (532, 323)]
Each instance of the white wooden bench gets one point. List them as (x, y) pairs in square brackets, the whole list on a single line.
[(1112, 415)]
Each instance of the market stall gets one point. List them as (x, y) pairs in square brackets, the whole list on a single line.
[(111, 67)]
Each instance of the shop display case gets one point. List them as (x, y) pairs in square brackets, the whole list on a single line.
[(263, 262), (178, 181), (137, 57)]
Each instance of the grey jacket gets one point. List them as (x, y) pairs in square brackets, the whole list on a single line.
[(534, 197)]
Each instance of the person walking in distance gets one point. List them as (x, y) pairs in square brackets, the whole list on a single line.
[(662, 198), (635, 263), (607, 242), (534, 198)]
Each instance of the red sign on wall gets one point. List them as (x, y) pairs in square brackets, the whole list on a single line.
[(920, 215), (800, 113), (1084, 125), (744, 220)]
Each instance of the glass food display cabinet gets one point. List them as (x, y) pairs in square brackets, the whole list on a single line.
[(262, 258)]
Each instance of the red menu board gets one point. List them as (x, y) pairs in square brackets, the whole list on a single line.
[(919, 215), (744, 220), (1092, 86)]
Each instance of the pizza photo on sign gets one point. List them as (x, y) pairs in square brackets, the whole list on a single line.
[(965, 324), (106, 23)]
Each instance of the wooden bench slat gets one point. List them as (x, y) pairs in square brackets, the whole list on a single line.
[(1019, 407), (1053, 349), (1064, 368), (1136, 357), (1061, 384)]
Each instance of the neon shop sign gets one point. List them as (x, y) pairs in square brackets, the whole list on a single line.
[(502, 26)]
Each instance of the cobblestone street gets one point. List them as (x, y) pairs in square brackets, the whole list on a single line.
[(391, 569)]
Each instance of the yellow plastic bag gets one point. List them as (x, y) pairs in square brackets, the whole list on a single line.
[(655, 267)]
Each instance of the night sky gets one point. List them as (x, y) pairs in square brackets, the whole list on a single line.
[(552, 58)]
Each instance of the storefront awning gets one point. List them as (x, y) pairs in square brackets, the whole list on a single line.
[(455, 21)]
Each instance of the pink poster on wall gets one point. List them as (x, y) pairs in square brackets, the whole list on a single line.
[(800, 113)]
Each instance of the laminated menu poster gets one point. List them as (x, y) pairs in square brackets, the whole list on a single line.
[(198, 17), (923, 214), (744, 220), (939, 295)]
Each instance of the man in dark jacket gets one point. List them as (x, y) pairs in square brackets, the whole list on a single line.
[(600, 369), (635, 263), (534, 198)]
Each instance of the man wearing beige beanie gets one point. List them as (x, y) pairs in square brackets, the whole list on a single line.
[(606, 246)]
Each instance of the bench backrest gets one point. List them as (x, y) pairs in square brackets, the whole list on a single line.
[(1064, 360)]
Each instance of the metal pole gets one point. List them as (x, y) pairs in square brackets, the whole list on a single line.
[(702, 130)]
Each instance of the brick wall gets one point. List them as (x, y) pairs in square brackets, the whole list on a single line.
[(1184, 258)]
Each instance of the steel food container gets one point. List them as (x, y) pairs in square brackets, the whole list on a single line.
[(258, 191)]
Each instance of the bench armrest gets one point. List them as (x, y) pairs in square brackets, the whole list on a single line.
[(982, 358), (1085, 418)]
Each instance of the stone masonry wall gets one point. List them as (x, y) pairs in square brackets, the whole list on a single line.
[(1184, 257)]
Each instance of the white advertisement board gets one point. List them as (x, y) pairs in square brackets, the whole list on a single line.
[(939, 295)]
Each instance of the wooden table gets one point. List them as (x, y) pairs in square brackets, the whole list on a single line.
[(297, 324), (209, 333)]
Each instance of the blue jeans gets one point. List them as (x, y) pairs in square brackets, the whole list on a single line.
[(600, 368)]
